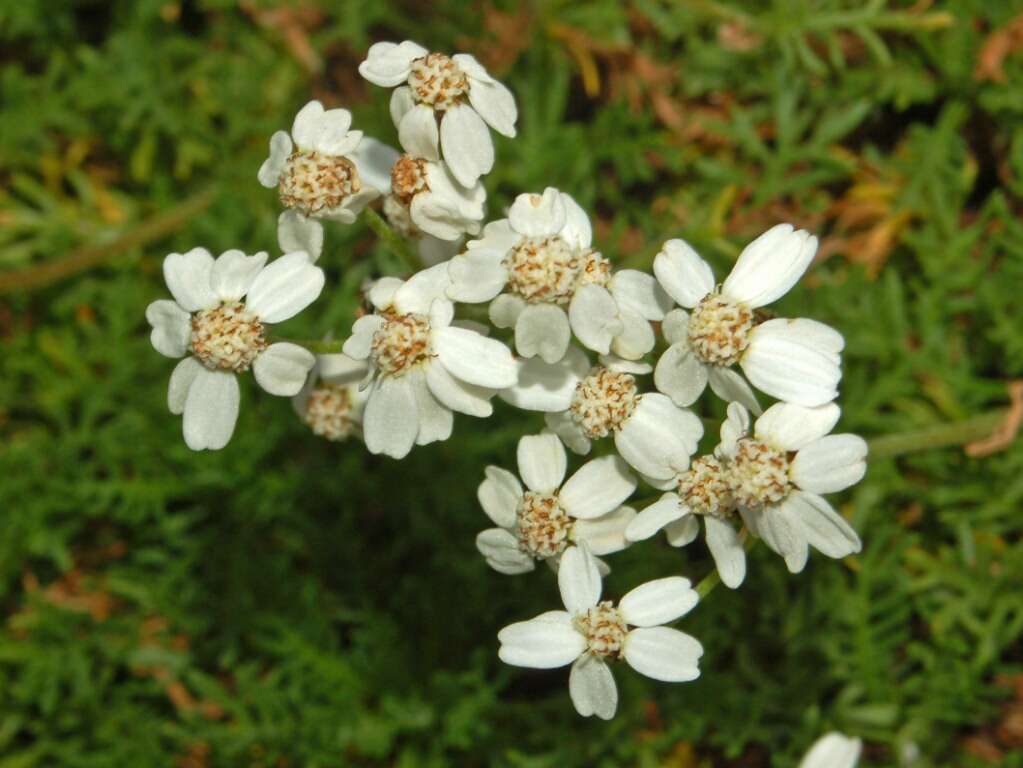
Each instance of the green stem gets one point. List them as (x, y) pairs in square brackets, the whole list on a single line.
[(398, 245), (937, 436)]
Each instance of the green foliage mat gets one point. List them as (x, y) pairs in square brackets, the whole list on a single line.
[(292, 602)]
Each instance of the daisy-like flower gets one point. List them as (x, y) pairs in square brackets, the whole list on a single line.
[(833, 750), (433, 201), (218, 322), (331, 403), (541, 256), (432, 250), (541, 522), (797, 361), (444, 107), (590, 633), (322, 170), (777, 473), (422, 366)]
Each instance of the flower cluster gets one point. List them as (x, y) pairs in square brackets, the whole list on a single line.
[(615, 360)]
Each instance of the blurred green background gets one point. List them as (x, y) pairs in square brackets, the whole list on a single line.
[(292, 602)]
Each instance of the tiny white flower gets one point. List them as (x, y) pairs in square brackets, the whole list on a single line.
[(432, 250), (540, 523), (833, 750), (322, 170), (219, 318), (444, 107), (590, 633), (538, 263), (433, 201), (797, 361), (331, 402), (422, 365), (778, 472)]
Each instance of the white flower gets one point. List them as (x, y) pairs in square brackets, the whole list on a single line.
[(322, 170), (331, 402), (778, 473), (457, 90), (542, 521), (436, 204), (833, 750), (793, 360), (423, 366), (432, 250), (541, 254), (219, 318), (591, 633)]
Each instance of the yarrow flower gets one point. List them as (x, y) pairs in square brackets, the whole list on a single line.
[(422, 366), (219, 318), (833, 750), (444, 107), (541, 254), (434, 202), (590, 633), (541, 522), (331, 402), (793, 360)]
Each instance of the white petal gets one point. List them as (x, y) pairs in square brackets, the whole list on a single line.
[(663, 654), (340, 369), (727, 551), (459, 395), (830, 464), (794, 360), (675, 327), (639, 292), (542, 462), (682, 273), (477, 275), (418, 134), (789, 427), (418, 293), (592, 688), (735, 426), (282, 368), (681, 375), (497, 236), (825, 529), (492, 100), (578, 579), (545, 387), (374, 160), (285, 287), (636, 338), (546, 642), (466, 144), (499, 495), (606, 534), (501, 550), (658, 602), (564, 426), (833, 750), (328, 133), (682, 532), (358, 345), (577, 230), (542, 329), (658, 438), (391, 423), (435, 421), (446, 211), (280, 150), (305, 128), (188, 277), (769, 266), (172, 328), (538, 215), (731, 387), (593, 315), (505, 310), (782, 531), (654, 517), (475, 358), (387, 64), (635, 367), (296, 232), (597, 487), (401, 102), (381, 292), (211, 410), (233, 273), (181, 379)]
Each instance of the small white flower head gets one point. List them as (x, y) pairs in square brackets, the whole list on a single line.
[(322, 169), (590, 633), (538, 263), (778, 472), (833, 750), (432, 250), (422, 365), (797, 361), (542, 521), (218, 322), (331, 402), (443, 105), (426, 199)]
